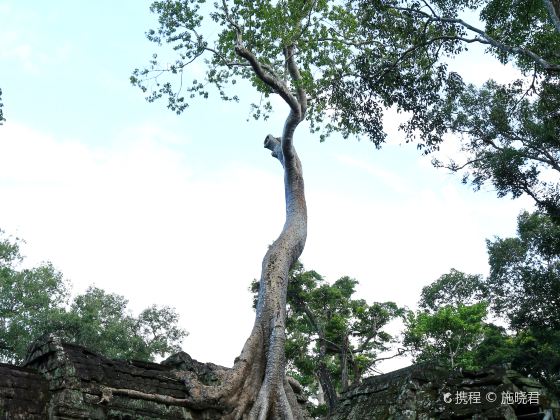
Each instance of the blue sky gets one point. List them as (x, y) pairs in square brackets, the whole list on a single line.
[(178, 210)]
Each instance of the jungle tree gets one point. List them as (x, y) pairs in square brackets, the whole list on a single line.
[(452, 289), (509, 132), (524, 281), (449, 335), (524, 287), (300, 51)]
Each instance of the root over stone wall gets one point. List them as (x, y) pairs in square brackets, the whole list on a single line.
[(62, 381)]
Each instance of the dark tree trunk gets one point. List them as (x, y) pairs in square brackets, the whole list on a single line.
[(325, 380), (344, 364)]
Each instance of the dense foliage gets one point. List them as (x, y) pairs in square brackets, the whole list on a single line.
[(524, 281), (449, 335), (358, 58), (354, 59), (508, 131), (35, 301)]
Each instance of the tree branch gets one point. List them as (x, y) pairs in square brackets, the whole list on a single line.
[(400, 352), (410, 50), (296, 78), (487, 39), (274, 145), (263, 73), (225, 62), (553, 14), (108, 392)]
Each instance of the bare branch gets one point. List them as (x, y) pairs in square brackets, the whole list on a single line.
[(269, 79), (429, 7), (274, 145), (108, 392), (453, 167), (400, 352)]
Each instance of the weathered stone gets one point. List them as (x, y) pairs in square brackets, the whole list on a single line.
[(62, 381), (206, 372), (426, 392), (24, 394)]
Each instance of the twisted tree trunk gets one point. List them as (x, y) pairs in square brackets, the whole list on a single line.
[(256, 387)]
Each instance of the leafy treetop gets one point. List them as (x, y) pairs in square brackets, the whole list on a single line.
[(309, 52)]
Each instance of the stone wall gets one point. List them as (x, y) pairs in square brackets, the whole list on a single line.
[(24, 394), (61, 381), (75, 383), (426, 392)]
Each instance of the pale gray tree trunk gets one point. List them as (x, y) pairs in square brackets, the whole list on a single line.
[(256, 388)]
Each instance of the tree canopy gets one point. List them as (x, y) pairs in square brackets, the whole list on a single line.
[(508, 132), (357, 58), (452, 289), (524, 281), (331, 43), (450, 335), (35, 301)]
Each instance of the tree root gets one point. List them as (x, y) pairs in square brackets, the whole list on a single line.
[(247, 391), (108, 392)]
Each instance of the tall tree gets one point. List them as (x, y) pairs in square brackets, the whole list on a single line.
[(300, 51), (524, 287), (36, 301), (30, 300), (509, 132), (102, 322)]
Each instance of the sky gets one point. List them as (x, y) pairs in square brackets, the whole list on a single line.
[(179, 210)]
